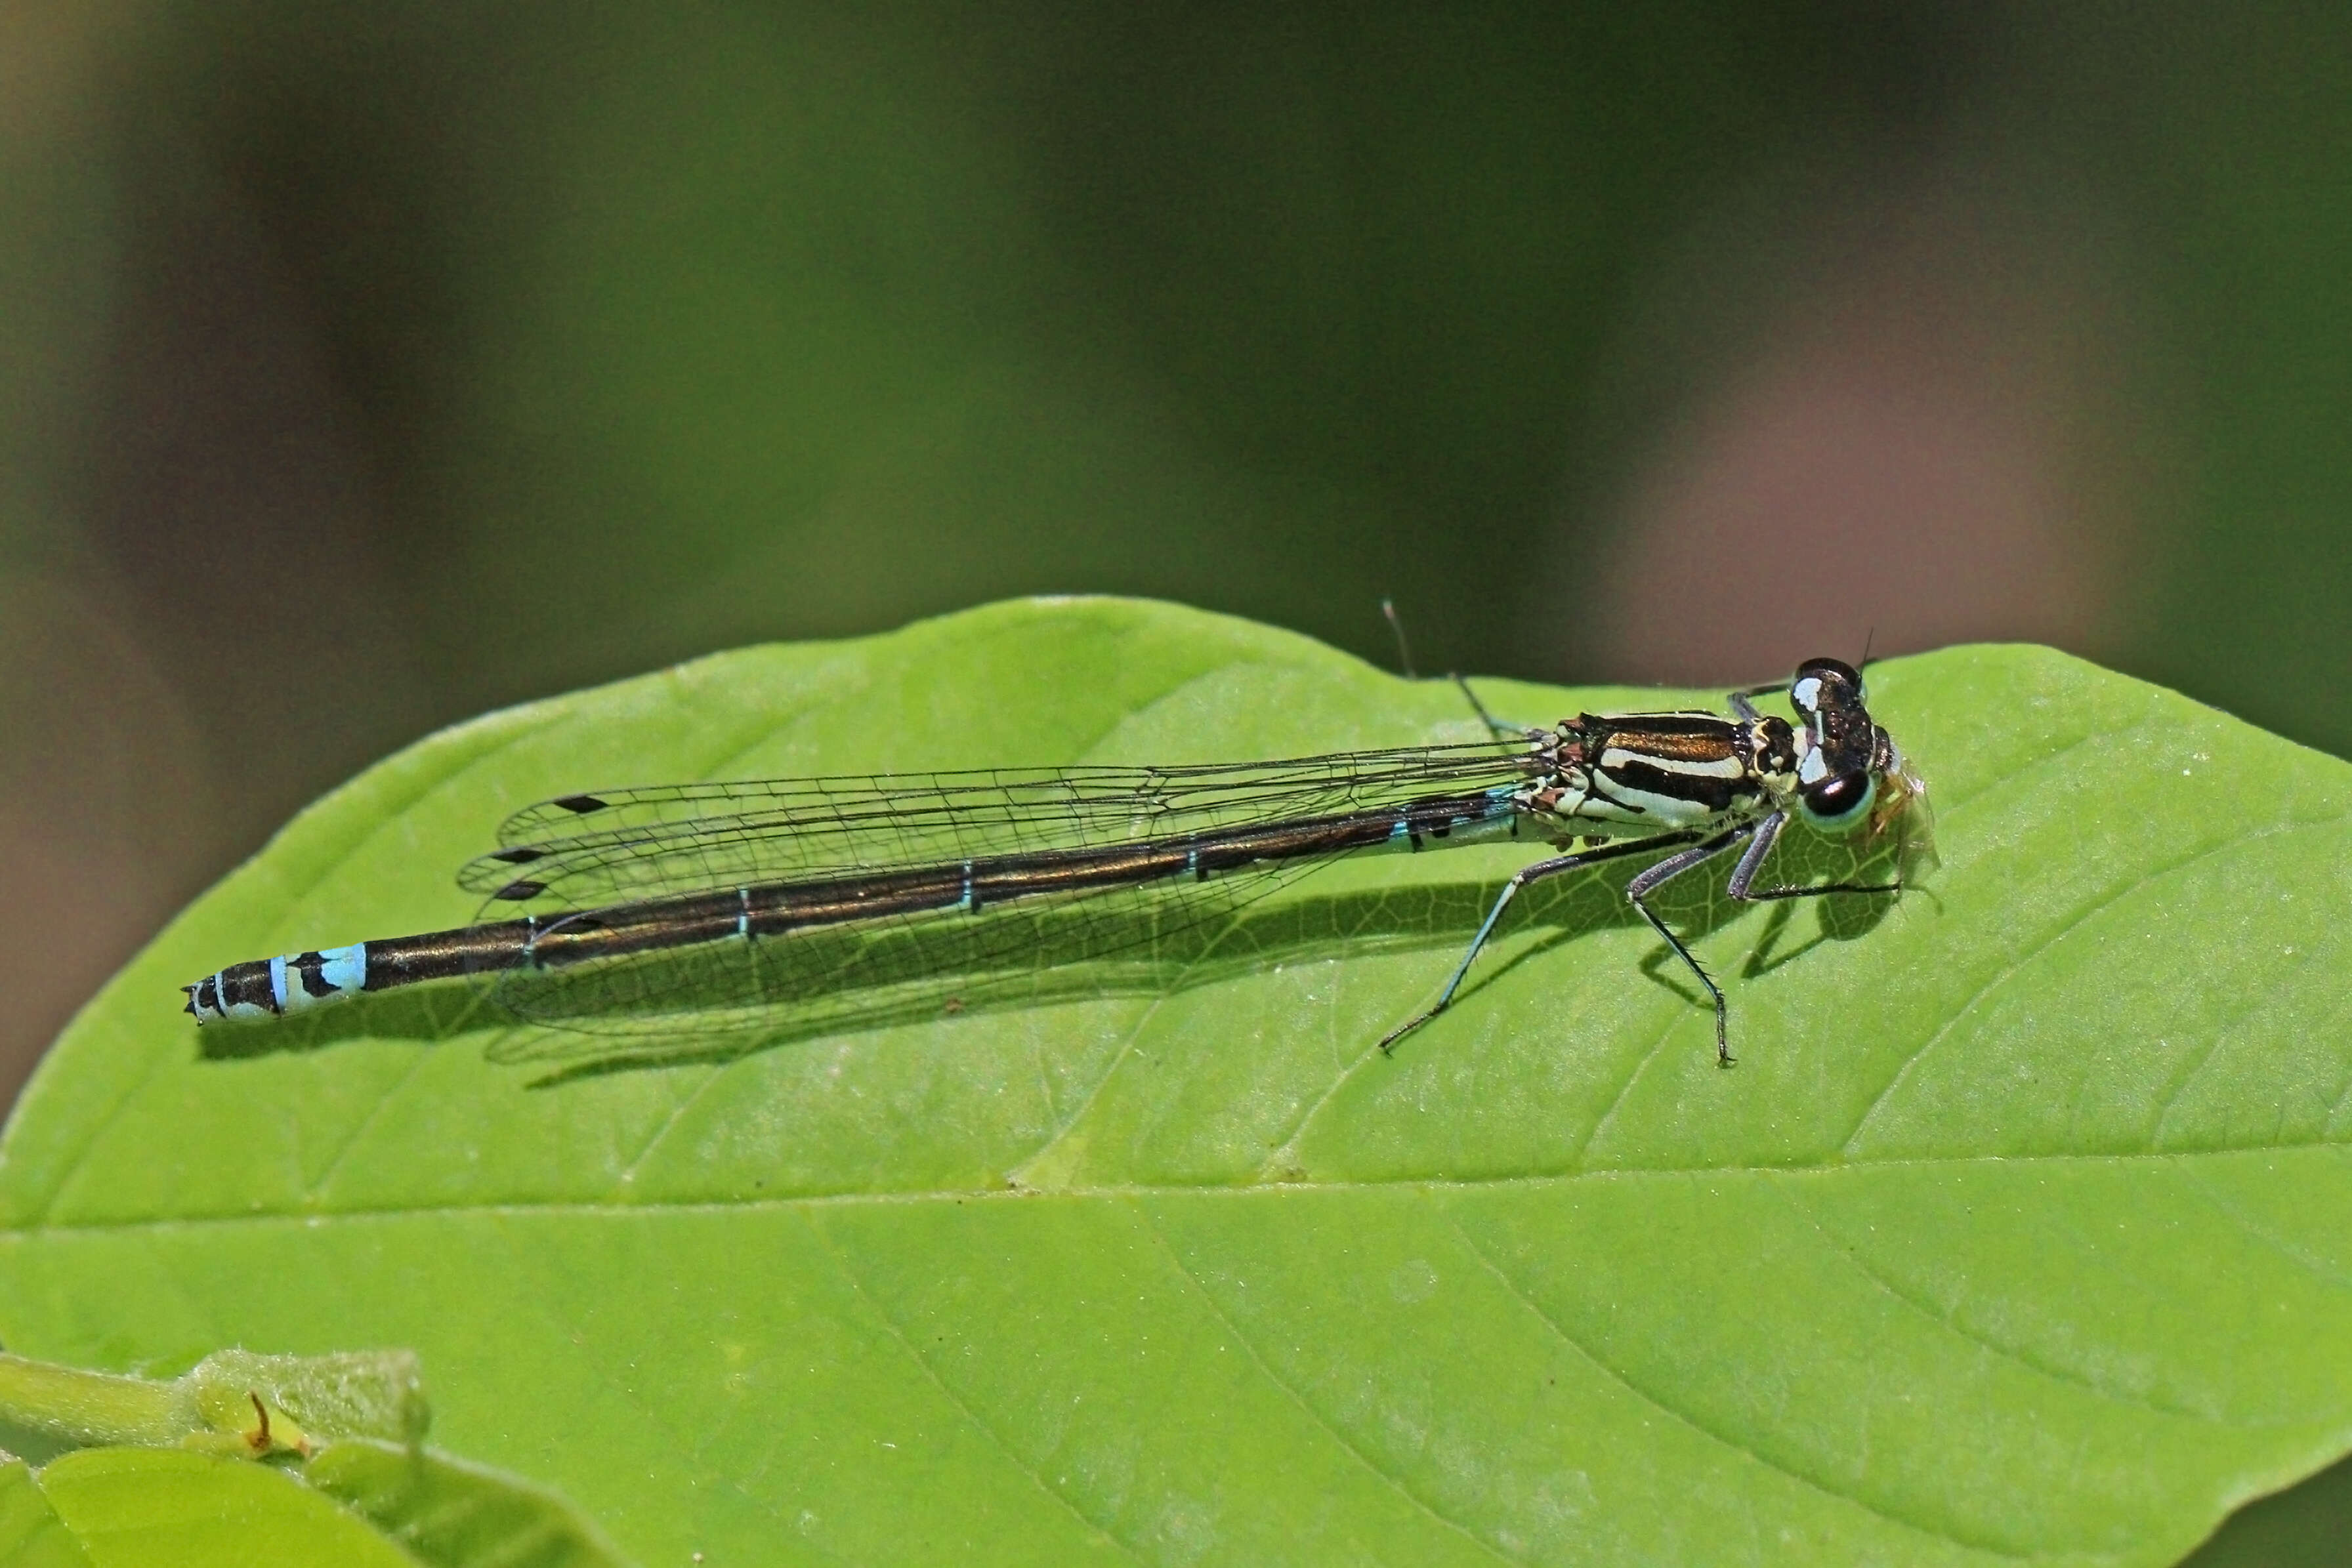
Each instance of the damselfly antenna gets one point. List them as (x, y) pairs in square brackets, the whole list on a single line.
[(1404, 651)]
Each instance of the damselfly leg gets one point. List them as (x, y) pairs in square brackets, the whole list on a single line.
[(1557, 866)]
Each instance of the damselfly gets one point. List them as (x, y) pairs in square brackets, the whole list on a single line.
[(643, 908)]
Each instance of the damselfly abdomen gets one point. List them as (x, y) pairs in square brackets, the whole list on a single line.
[(698, 907)]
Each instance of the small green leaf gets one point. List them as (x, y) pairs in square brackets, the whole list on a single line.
[(2018, 1233), (31, 1533), (130, 1507), (446, 1512), (450, 1514)]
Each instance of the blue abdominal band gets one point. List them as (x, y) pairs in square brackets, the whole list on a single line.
[(342, 969)]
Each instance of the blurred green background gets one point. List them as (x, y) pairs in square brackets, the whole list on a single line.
[(363, 367)]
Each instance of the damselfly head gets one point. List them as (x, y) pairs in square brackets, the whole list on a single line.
[(1837, 748)]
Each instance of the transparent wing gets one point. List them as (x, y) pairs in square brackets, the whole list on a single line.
[(568, 860), (580, 851)]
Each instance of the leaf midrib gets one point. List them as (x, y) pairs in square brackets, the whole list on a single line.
[(1105, 1192)]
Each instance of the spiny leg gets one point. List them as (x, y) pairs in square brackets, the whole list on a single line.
[(1752, 864), (1761, 836), (1765, 834), (1758, 896), (1525, 874), (1638, 891)]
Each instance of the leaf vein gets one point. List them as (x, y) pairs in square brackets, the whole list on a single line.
[(1249, 1348), (326, 1178), (1949, 1319), (1693, 1424), (995, 1438), (2334, 1278), (2043, 943), (1276, 1191)]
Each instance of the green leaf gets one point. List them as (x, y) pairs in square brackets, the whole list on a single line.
[(140, 1505), (2019, 1231), (128, 1507), (31, 1533), (366, 1408), (451, 1514)]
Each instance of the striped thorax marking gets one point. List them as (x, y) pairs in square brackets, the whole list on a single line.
[(1626, 773)]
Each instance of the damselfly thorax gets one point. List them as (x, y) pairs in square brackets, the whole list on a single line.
[(1614, 774), (667, 907)]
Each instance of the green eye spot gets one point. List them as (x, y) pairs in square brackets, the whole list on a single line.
[(1838, 802)]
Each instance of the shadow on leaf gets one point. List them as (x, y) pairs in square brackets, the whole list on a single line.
[(719, 1001)]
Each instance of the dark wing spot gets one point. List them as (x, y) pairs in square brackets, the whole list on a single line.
[(522, 857), (520, 890), (583, 804)]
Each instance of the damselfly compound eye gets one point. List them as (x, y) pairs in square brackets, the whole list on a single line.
[(1824, 683), (1838, 801)]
